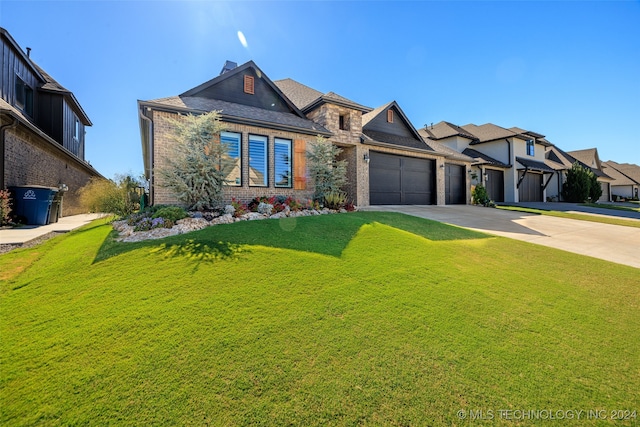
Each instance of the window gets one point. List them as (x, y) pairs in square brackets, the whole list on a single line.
[(233, 171), (24, 96), (248, 85), (531, 147), (282, 164), (76, 129), (258, 176), (390, 116), (343, 123)]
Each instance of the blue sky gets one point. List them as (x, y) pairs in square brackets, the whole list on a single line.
[(568, 70)]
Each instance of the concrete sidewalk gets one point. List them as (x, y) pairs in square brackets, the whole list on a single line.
[(577, 208), (614, 243), (21, 235)]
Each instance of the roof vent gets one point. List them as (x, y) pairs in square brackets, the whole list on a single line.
[(228, 66)]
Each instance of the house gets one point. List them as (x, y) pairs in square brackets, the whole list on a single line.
[(510, 163), (271, 123), (590, 158), (42, 128), (626, 179), (562, 161)]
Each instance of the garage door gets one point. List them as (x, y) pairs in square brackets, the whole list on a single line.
[(454, 181), (400, 180), (531, 188), (495, 184)]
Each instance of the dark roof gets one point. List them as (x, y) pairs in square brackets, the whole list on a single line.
[(400, 141), (483, 159), (443, 130), (534, 165), (307, 98), (298, 93), (242, 113)]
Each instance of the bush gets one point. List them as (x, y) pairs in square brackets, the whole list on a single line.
[(171, 213), (577, 187), (480, 196), (104, 195), (595, 189), (335, 199), (5, 207), (326, 171)]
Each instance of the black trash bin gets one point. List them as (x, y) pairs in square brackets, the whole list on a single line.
[(33, 203), (56, 203)]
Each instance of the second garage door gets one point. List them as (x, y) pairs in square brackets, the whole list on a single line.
[(495, 184), (400, 180), (454, 181), (531, 188)]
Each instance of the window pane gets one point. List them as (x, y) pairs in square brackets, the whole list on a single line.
[(258, 161), (232, 168), (282, 164)]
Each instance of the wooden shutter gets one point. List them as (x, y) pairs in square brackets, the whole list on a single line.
[(248, 85), (299, 164), (390, 115)]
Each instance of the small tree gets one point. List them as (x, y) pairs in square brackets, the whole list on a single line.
[(327, 173), (480, 195), (595, 189), (577, 187), (198, 162)]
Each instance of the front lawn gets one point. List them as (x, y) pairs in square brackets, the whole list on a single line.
[(365, 318)]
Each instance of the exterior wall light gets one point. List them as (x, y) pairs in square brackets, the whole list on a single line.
[(366, 158)]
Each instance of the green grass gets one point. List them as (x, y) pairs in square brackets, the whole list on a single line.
[(355, 319), (614, 207), (571, 215)]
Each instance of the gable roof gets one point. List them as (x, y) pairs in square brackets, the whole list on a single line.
[(375, 128), (443, 130), (307, 98), (534, 165), (619, 178), (489, 132), (205, 88), (586, 155), (629, 169), (566, 157)]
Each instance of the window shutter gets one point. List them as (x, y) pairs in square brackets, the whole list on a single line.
[(248, 85), (299, 164), (390, 115)]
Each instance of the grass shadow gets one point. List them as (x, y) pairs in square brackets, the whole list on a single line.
[(325, 234)]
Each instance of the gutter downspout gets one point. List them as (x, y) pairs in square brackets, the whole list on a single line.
[(149, 152), (3, 130)]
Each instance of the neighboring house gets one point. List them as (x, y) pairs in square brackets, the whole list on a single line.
[(510, 163), (590, 158), (270, 125), (42, 128), (626, 178)]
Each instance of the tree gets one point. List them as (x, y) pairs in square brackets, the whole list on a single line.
[(327, 173), (578, 186), (595, 189), (198, 162)]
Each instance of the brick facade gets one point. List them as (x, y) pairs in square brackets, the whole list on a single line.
[(32, 160), (162, 137)]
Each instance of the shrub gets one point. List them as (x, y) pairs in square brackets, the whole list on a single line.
[(577, 187), (240, 207), (595, 189), (335, 199), (5, 207), (480, 195), (326, 171), (171, 213), (198, 162)]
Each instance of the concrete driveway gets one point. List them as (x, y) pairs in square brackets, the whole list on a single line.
[(614, 243)]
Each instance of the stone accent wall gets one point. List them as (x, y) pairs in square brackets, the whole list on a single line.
[(32, 160), (162, 134), (328, 115)]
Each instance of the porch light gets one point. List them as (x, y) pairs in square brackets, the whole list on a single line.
[(366, 158)]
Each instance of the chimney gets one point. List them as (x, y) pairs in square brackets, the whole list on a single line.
[(28, 52), (228, 66)]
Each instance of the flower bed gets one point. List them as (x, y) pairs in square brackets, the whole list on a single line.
[(152, 225)]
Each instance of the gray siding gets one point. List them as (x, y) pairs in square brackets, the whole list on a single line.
[(398, 127), (76, 146), (13, 65), (232, 90)]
